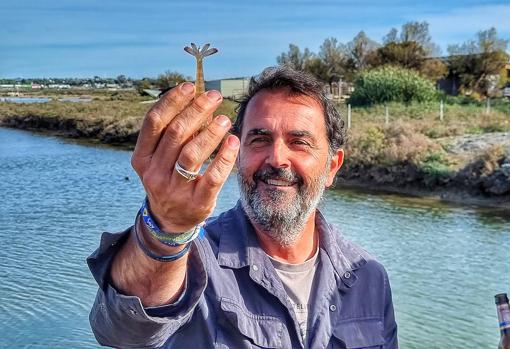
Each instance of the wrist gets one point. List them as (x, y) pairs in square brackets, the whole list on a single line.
[(152, 243), (148, 252), (166, 237)]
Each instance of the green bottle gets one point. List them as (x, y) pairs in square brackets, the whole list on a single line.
[(504, 320)]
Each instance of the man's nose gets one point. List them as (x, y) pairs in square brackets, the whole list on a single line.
[(278, 156)]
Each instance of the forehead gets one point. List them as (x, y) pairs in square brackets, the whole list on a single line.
[(279, 109)]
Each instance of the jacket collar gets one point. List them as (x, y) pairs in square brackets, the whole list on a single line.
[(239, 247)]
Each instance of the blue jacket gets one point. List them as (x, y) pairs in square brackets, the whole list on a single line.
[(234, 298)]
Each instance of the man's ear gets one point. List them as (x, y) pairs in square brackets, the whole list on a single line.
[(336, 162)]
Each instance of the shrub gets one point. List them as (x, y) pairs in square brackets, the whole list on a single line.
[(391, 84), (386, 146), (436, 165)]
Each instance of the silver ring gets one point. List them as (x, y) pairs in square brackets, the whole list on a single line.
[(190, 176)]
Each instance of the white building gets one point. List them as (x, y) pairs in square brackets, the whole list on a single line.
[(229, 88)]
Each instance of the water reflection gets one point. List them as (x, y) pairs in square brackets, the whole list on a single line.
[(445, 262)]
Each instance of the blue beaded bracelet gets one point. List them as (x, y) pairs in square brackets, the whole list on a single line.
[(170, 239), (149, 253)]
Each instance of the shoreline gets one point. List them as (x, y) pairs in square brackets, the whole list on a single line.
[(99, 134), (442, 195), (87, 131)]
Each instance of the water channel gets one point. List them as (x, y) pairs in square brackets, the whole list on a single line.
[(30, 100), (445, 262)]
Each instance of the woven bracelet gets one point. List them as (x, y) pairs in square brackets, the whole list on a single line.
[(170, 239), (149, 253)]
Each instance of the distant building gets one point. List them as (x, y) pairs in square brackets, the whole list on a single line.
[(59, 86), (230, 88), (152, 92)]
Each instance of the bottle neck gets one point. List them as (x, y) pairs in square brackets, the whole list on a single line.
[(504, 318)]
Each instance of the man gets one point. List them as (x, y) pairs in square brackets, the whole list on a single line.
[(268, 273)]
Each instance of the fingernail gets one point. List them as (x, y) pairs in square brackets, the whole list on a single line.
[(214, 96), (222, 120), (233, 142), (188, 88)]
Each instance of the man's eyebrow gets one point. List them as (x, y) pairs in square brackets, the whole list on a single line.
[(259, 132), (301, 133)]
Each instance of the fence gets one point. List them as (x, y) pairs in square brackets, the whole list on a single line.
[(347, 110)]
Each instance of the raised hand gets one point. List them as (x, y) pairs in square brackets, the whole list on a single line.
[(169, 135)]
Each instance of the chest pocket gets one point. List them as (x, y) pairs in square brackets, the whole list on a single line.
[(357, 334), (239, 328)]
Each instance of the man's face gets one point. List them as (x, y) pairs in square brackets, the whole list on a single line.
[(284, 162)]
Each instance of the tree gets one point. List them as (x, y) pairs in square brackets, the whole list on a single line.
[(434, 69), (294, 58), (478, 62), (121, 79), (318, 68), (143, 84), (410, 55), (392, 36), (169, 79), (333, 55), (417, 32), (360, 49)]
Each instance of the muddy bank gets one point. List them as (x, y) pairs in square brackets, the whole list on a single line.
[(112, 132), (450, 194), (483, 178)]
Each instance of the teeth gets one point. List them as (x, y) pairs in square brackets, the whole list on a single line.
[(278, 183)]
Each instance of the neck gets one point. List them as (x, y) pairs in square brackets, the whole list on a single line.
[(301, 250)]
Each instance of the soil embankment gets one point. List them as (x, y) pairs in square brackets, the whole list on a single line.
[(94, 130), (479, 173)]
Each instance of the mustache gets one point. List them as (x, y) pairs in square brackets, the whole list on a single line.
[(270, 172)]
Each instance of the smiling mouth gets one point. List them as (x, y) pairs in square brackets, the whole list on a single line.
[(278, 182)]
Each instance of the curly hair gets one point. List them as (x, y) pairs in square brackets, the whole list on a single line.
[(299, 83)]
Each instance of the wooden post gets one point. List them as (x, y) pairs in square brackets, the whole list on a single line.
[(386, 115), (441, 110), (488, 108), (348, 116)]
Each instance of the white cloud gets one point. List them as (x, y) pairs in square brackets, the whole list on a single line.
[(461, 24)]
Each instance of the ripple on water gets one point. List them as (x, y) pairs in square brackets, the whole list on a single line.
[(445, 262)]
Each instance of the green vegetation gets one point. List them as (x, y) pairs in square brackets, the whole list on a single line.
[(407, 151), (396, 137), (112, 117), (478, 65), (437, 166), (391, 84), (478, 61)]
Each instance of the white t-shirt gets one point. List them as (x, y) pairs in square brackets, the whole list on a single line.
[(297, 279)]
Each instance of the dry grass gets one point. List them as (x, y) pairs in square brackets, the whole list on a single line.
[(111, 116), (458, 119), (404, 151)]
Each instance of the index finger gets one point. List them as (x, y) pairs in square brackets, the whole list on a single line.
[(171, 104)]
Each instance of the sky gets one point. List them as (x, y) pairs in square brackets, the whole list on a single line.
[(138, 38)]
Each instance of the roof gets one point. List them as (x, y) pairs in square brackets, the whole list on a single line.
[(152, 92)]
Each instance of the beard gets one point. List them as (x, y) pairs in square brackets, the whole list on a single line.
[(280, 214)]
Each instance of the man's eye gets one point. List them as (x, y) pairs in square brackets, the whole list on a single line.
[(300, 142), (259, 140)]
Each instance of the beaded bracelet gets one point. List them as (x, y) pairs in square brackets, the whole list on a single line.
[(149, 253), (170, 239)]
